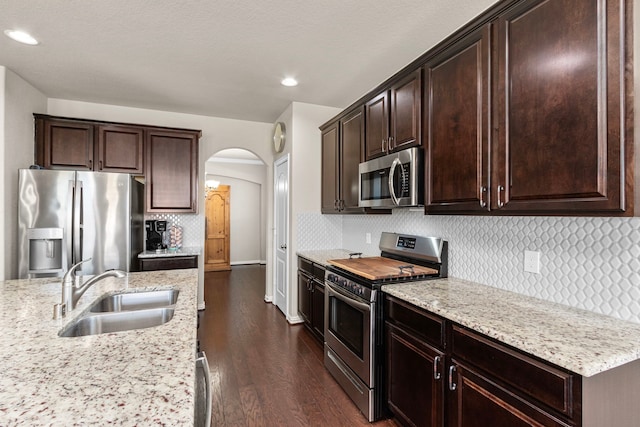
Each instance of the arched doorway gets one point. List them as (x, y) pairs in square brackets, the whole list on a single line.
[(245, 175)]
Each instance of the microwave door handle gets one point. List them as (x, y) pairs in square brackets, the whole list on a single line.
[(392, 173)]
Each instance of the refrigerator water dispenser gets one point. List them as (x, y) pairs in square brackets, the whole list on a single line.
[(46, 251)]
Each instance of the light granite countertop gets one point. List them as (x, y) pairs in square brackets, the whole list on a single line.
[(140, 377), (164, 253), (581, 341), (323, 256)]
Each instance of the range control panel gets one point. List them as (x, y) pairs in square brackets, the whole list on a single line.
[(406, 242), (354, 288)]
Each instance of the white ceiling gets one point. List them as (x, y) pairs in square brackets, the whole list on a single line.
[(222, 58)]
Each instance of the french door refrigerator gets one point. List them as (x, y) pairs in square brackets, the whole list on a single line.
[(65, 217)]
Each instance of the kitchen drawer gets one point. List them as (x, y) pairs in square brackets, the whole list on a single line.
[(426, 326), (305, 265), (168, 263), (318, 272), (551, 386), (311, 268)]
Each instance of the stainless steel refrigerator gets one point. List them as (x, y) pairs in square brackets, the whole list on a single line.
[(68, 216)]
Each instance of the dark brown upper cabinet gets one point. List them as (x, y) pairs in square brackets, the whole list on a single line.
[(84, 145), (171, 170), (456, 99), (120, 149), (393, 117), (377, 125), (543, 132), (342, 148), (560, 131), (330, 172), (167, 157), (64, 144)]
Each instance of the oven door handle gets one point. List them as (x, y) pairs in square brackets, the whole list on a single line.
[(347, 299)]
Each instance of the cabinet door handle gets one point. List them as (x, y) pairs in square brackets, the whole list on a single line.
[(309, 284), (342, 204), (90, 164), (384, 149), (452, 371), (436, 368), (390, 145), (483, 190), (335, 205), (500, 191)]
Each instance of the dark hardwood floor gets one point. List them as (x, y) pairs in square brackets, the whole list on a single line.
[(264, 371)]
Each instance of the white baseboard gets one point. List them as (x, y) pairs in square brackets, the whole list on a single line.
[(201, 306), (294, 320), (248, 262), (268, 298)]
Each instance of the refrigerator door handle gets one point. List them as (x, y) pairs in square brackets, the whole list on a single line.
[(77, 223), (68, 238)]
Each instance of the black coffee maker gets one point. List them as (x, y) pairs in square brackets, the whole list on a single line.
[(155, 233)]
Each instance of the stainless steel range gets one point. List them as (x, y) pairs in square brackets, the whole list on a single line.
[(353, 330)]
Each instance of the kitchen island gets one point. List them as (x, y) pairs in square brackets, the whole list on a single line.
[(137, 377)]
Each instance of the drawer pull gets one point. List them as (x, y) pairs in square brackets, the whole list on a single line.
[(452, 371), (436, 368)]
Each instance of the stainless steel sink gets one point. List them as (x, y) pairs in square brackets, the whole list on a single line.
[(129, 301), (103, 323)]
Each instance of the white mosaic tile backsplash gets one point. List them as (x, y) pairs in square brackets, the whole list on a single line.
[(317, 231), (192, 226), (589, 263)]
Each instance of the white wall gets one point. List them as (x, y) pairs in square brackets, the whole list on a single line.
[(287, 118), (21, 100), (303, 134), (217, 134)]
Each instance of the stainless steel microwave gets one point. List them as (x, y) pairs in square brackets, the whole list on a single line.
[(392, 181)]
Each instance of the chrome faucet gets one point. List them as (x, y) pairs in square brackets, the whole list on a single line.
[(71, 292)]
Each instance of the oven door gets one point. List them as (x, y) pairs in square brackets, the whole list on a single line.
[(348, 331)]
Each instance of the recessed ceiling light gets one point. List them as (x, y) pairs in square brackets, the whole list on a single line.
[(21, 36), (289, 81)]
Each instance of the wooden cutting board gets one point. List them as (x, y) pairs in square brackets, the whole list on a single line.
[(376, 268)]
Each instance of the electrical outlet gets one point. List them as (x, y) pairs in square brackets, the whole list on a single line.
[(532, 261), (367, 238)]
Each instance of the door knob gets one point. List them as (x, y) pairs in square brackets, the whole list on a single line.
[(283, 246)]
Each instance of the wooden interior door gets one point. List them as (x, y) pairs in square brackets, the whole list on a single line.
[(217, 234)]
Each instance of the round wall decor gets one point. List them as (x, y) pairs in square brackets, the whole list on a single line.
[(279, 136)]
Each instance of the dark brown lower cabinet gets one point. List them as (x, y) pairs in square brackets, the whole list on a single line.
[(311, 296), (304, 296), (168, 263), (439, 373), (477, 401), (317, 302), (415, 391)]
